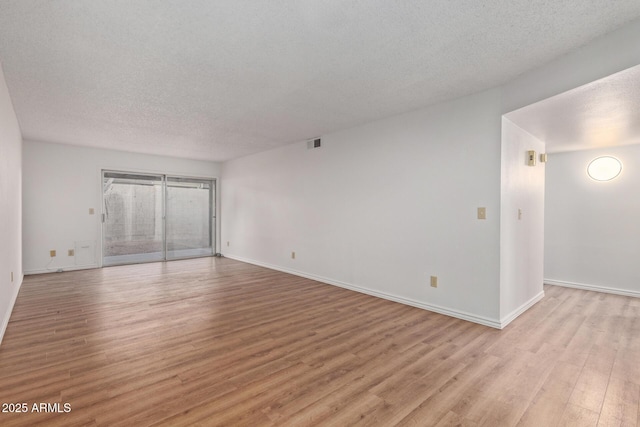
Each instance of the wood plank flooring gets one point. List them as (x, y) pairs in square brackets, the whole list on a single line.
[(217, 342)]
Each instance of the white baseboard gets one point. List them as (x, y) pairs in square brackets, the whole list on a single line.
[(7, 316), (55, 270), (595, 288), (429, 307), (518, 311)]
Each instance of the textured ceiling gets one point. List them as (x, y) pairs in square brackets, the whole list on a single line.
[(221, 79), (600, 114)]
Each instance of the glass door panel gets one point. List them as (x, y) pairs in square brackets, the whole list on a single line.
[(133, 228), (189, 217)]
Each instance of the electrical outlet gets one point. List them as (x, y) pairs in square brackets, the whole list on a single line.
[(92, 211), (482, 213), (519, 214), (12, 277), (71, 252), (227, 243), (434, 281), (52, 253), (293, 255)]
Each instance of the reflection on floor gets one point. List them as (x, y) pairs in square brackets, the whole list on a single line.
[(155, 256)]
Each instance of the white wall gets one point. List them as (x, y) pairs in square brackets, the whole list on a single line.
[(381, 208), (60, 184), (602, 57), (521, 236), (592, 234), (10, 206)]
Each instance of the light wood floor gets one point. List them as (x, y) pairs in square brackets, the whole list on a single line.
[(218, 342)]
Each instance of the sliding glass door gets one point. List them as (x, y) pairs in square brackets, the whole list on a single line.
[(132, 218), (150, 218), (190, 217)]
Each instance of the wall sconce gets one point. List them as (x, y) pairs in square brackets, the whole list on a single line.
[(604, 168)]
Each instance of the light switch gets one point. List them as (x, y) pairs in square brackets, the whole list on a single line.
[(91, 211), (482, 213)]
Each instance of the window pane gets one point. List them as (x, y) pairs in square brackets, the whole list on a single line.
[(133, 225), (189, 217)]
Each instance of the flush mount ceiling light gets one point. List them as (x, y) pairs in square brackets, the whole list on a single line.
[(604, 168)]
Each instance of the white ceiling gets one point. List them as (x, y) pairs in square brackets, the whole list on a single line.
[(221, 79), (600, 114)]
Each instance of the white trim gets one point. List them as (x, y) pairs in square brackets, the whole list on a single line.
[(406, 301), (55, 270), (7, 316), (595, 288), (518, 311)]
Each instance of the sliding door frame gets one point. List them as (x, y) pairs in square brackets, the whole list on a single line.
[(213, 212)]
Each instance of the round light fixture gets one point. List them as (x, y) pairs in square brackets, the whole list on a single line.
[(604, 168)]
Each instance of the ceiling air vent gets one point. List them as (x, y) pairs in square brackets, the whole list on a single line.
[(314, 143)]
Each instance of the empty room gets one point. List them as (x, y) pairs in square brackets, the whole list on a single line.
[(311, 213)]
